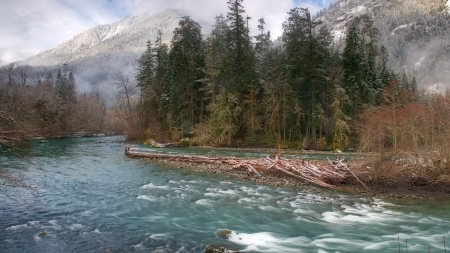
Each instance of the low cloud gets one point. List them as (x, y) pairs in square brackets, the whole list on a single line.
[(30, 27)]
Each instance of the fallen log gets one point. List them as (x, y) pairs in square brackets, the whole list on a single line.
[(324, 174)]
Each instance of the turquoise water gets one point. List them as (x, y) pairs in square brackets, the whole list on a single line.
[(96, 200)]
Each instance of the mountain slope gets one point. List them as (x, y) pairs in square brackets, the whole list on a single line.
[(416, 33), (127, 35), (96, 55)]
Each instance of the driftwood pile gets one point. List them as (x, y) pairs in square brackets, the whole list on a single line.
[(325, 174)]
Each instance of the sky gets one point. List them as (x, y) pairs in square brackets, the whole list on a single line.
[(29, 27)]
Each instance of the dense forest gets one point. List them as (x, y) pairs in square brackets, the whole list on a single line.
[(50, 107), (302, 90), (305, 89), (415, 33)]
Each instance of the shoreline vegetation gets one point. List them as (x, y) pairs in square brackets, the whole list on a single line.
[(354, 177)]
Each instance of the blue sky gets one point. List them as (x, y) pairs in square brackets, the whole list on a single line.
[(30, 27)]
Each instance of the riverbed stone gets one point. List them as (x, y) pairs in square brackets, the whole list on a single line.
[(217, 249), (224, 234)]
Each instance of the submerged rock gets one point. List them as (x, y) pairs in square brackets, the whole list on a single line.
[(224, 234), (216, 249)]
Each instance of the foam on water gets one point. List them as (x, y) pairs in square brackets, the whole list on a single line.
[(268, 242), (221, 192), (75, 227), (339, 244), (151, 208), (138, 247), (247, 200), (378, 246), (269, 208), (87, 213), (205, 202), (159, 236), (148, 198), (152, 186), (28, 225)]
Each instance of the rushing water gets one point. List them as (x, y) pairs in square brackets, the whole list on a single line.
[(96, 200)]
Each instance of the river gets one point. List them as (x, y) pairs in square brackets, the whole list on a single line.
[(94, 199)]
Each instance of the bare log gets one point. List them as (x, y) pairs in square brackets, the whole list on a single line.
[(321, 174)]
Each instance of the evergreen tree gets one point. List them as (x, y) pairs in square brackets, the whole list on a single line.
[(144, 74), (144, 78), (216, 58), (161, 60), (71, 93), (239, 44), (262, 49), (308, 54), (59, 83), (243, 78), (353, 63), (186, 62)]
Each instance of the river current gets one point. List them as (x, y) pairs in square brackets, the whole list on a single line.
[(94, 199)]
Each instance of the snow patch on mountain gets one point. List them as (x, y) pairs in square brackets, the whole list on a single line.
[(437, 88), (448, 6), (127, 36), (347, 13), (97, 55), (400, 27)]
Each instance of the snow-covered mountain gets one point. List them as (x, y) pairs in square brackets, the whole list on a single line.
[(416, 33), (96, 55)]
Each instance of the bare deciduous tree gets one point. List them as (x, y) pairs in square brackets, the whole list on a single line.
[(24, 72), (125, 91)]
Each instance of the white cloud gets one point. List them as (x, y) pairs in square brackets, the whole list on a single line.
[(29, 27), (33, 26)]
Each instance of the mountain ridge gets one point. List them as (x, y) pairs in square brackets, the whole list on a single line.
[(415, 33), (98, 54), (137, 28)]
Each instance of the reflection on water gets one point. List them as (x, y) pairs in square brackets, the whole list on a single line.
[(96, 200)]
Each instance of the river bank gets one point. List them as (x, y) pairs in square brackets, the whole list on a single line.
[(355, 187), (96, 200)]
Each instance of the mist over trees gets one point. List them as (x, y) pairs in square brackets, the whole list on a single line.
[(240, 87), (414, 33), (48, 106), (307, 90)]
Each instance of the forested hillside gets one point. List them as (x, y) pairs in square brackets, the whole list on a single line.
[(310, 91), (98, 54), (415, 33), (319, 86), (231, 88)]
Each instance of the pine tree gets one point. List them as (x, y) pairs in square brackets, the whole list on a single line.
[(243, 77), (186, 70), (59, 89), (71, 93), (239, 43), (262, 49), (145, 74), (216, 57), (160, 71), (353, 63), (308, 54), (144, 78)]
